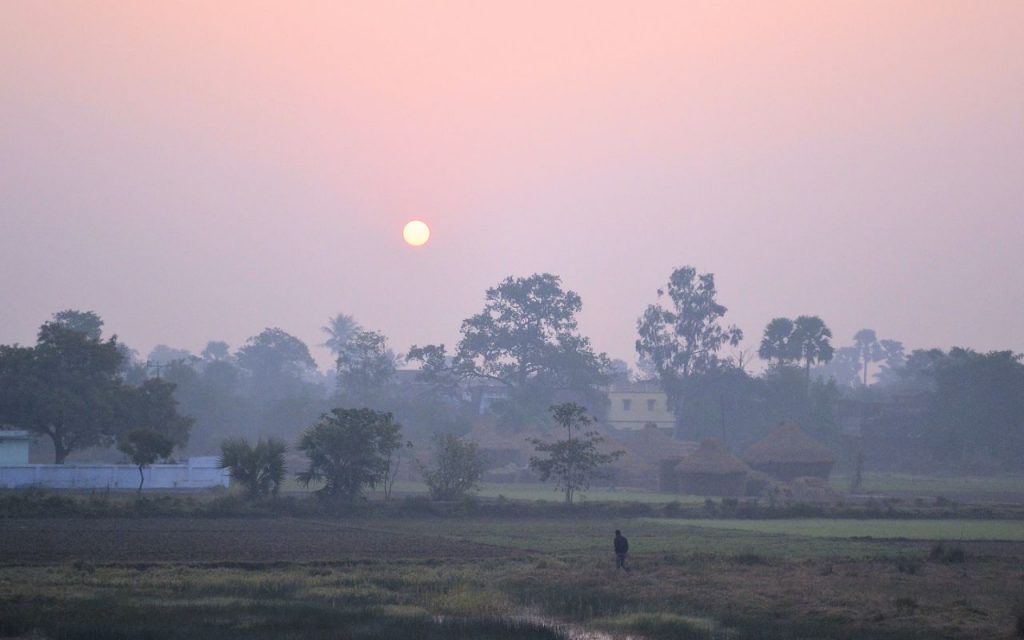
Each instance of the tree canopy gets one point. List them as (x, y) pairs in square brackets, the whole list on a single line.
[(527, 339), (684, 337), (349, 450), (69, 388)]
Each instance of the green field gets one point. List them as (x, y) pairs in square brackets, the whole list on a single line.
[(547, 493), (948, 486), (1012, 530)]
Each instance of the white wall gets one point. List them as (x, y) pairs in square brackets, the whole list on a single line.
[(197, 473)]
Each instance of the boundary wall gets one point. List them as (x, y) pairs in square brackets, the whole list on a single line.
[(197, 473)]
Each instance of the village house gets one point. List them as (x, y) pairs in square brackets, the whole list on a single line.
[(634, 405)]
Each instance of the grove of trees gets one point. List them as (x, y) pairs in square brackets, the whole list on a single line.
[(81, 391)]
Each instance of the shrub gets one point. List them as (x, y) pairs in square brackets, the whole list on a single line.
[(259, 469), (457, 468)]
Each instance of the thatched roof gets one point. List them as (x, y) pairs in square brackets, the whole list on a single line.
[(654, 445), (711, 458), (787, 444)]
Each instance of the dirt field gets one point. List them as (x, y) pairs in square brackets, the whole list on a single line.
[(252, 577), (185, 540)]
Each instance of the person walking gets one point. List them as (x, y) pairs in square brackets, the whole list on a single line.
[(621, 549)]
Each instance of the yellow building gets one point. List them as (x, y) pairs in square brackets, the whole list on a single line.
[(633, 405)]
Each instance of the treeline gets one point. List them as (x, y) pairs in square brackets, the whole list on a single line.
[(525, 352)]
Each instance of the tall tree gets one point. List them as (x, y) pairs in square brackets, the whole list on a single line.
[(349, 450), (87, 322), (277, 362), (811, 341), (575, 461), (894, 359), (868, 350), (976, 412), (365, 368), (66, 388), (684, 338), (339, 329), (527, 339), (776, 343), (69, 388), (216, 351)]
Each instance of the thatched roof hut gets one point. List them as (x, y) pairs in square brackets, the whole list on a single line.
[(787, 453), (712, 471)]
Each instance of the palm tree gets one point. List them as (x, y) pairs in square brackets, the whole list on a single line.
[(811, 341), (259, 469), (776, 342), (339, 330), (868, 349)]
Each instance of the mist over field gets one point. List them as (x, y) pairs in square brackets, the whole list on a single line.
[(582, 321)]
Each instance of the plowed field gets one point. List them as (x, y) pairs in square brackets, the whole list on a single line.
[(44, 540)]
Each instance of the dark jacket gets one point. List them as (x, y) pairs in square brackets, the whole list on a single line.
[(621, 544)]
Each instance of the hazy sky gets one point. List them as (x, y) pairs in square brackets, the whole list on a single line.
[(198, 171)]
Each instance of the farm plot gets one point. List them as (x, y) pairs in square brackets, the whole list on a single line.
[(204, 540)]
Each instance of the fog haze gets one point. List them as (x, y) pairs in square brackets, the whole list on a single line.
[(196, 174)]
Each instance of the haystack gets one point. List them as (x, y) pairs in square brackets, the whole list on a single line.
[(712, 471), (787, 453)]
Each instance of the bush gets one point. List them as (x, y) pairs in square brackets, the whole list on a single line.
[(259, 469), (457, 470)]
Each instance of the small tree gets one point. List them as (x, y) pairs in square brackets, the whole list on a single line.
[(144, 447), (457, 470), (573, 462), (259, 469), (349, 449)]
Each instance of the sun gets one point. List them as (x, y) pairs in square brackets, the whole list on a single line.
[(416, 233)]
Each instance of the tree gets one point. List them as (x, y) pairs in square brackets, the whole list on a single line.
[(348, 450), (161, 354), (86, 322), (810, 341), (144, 447), (894, 360), (684, 339), (527, 339), (151, 406), (216, 351), (776, 342), (259, 469), (339, 330), (976, 409), (457, 468), (69, 388), (868, 349), (365, 368), (66, 388), (573, 462), (278, 363)]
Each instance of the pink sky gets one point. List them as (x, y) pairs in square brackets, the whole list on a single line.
[(197, 171)]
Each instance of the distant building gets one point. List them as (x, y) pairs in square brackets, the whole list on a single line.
[(634, 405), (709, 471), (788, 453), (14, 447)]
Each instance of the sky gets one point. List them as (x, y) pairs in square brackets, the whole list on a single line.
[(199, 171)]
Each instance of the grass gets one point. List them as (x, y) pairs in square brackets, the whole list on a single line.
[(1010, 530), (689, 580), (948, 486)]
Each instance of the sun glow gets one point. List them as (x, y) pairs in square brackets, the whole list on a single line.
[(416, 233)]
